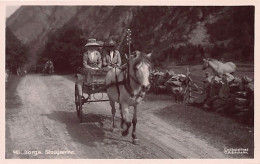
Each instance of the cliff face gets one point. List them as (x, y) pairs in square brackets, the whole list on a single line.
[(158, 29), (103, 22), (31, 23)]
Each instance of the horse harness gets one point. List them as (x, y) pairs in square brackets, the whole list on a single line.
[(126, 83)]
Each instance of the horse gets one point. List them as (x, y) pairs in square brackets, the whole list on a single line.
[(218, 67), (127, 87)]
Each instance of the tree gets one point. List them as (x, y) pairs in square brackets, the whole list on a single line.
[(15, 51), (64, 48)]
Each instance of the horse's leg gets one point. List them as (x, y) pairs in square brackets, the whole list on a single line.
[(121, 113), (113, 110), (125, 119), (134, 121)]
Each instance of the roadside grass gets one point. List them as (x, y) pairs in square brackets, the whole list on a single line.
[(220, 131)]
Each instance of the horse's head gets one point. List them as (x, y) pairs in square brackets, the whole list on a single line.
[(140, 69), (205, 63)]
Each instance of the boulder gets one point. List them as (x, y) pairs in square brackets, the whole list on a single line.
[(242, 101)]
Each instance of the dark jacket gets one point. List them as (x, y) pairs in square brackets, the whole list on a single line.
[(116, 60)]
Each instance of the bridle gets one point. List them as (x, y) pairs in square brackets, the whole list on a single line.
[(127, 85), (134, 78)]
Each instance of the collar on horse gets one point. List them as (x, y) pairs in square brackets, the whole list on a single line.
[(126, 83)]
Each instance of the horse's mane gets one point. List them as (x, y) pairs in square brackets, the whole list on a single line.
[(212, 59)]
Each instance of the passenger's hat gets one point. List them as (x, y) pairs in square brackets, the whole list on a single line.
[(92, 42)]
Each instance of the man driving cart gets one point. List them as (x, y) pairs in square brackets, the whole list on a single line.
[(112, 56)]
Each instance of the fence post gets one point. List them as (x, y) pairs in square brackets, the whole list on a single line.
[(189, 82)]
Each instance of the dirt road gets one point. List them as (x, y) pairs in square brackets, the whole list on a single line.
[(41, 122)]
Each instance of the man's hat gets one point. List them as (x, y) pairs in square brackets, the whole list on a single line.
[(110, 43), (92, 42)]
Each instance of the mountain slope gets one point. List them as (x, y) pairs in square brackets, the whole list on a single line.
[(177, 33)]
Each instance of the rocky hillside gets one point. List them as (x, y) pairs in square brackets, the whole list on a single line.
[(32, 24), (175, 33)]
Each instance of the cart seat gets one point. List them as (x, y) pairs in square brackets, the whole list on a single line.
[(93, 76)]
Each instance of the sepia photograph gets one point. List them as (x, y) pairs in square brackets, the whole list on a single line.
[(129, 81)]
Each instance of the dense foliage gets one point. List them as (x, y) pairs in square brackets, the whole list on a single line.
[(167, 32), (64, 48), (15, 51), (236, 29)]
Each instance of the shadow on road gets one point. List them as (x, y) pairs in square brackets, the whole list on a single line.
[(12, 100), (95, 128), (12, 104)]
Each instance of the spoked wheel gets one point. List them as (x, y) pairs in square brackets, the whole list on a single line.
[(78, 103), (80, 109)]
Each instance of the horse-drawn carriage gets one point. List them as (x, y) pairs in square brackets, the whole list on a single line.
[(126, 86)]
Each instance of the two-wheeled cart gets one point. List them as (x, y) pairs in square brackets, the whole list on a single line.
[(88, 83)]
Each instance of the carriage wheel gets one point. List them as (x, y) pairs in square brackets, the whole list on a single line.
[(78, 102), (80, 109), (77, 99)]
